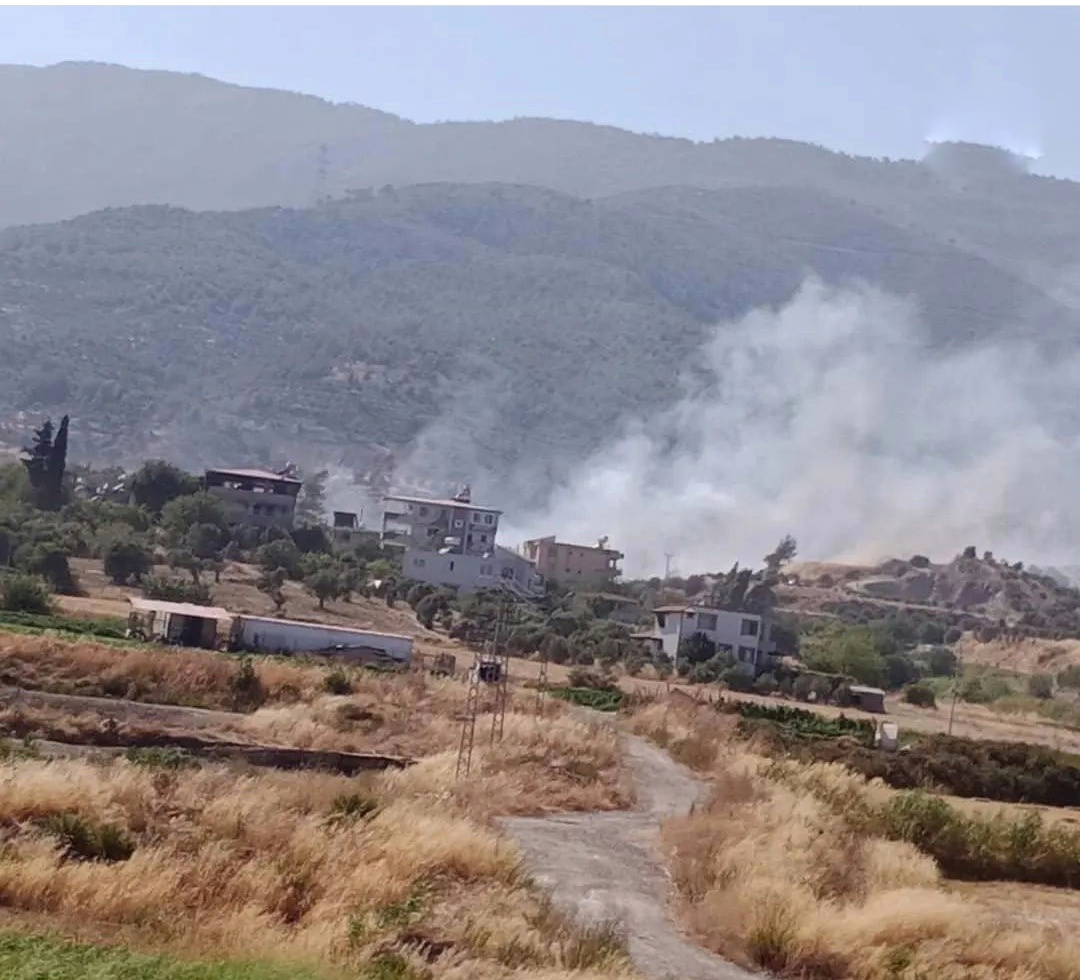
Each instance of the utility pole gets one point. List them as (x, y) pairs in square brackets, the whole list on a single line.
[(667, 566)]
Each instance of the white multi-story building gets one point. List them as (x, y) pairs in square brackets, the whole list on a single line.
[(451, 541), (745, 636)]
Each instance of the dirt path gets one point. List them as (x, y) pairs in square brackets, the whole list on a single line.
[(603, 866)]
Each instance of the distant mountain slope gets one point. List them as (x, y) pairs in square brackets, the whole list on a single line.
[(79, 137), (529, 321)]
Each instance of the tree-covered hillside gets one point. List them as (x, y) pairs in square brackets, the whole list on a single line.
[(530, 321)]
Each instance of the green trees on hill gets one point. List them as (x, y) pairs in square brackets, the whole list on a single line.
[(45, 462)]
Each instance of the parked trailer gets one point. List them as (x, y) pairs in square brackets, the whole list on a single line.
[(264, 634)]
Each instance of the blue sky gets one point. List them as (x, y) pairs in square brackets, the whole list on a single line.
[(867, 80)]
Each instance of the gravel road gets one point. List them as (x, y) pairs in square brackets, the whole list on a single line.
[(603, 866)]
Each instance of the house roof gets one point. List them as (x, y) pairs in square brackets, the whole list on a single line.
[(862, 689), (189, 609), (441, 502), (703, 609), (254, 474)]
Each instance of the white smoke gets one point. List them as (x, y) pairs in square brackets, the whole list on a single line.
[(831, 420)]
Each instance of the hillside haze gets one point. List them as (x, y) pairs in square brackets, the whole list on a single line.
[(278, 275)]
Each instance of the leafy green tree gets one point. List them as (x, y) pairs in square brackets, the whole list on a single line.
[(323, 583), (157, 482), (50, 562), (696, 649), (920, 695), (281, 554), (45, 462), (849, 652), (941, 662), (899, 670), (181, 514), (182, 559), (127, 560), (783, 553), (556, 649), (272, 584), (25, 593)]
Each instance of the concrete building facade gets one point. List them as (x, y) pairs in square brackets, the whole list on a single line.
[(745, 636), (451, 541), (258, 497), (574, 564)]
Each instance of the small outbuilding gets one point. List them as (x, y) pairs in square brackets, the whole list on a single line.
[(180, 623), (868, 698), (265, 634)]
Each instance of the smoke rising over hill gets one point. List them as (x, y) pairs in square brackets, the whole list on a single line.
[(830, 419)]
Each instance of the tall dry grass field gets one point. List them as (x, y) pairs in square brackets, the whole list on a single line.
[(299, 867), (199, 678), (772, 875)]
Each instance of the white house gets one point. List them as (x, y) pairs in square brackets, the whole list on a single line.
[(743, 635), (451, 541)]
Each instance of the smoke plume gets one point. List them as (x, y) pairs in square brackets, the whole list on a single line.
[(831, 419)]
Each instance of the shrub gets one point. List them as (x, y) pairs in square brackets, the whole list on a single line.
[(176, 590), (953, 635), (1041, 686), (1070, 677), (25, 593), (738, 680), (765, 684), (350, 807), (246, 687), (160, 757), (920, 695), (337, 682), (87, 841)]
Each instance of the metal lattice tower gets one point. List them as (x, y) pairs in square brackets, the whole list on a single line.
[(497, 653), (468, 723), (501, 652)]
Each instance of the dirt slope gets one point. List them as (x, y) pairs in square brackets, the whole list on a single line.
[(603, 866)]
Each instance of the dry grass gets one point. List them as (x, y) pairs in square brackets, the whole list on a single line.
[(227, 864), (154, 674), (770, 874)]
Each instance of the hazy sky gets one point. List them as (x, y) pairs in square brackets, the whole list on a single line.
[(868, 80)]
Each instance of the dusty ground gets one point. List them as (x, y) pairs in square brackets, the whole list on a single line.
[(605, 866)]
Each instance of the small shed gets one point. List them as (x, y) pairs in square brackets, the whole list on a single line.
[(868, 698), (181, 623)]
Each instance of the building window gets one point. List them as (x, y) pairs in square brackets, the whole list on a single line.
[(423, 512), (746, 655), (489, 518), (707, 621), (451, 566), (458, 522), (419, 562), (483, 539), (749, 627)]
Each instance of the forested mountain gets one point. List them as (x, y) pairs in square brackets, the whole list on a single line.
[(528, 283)]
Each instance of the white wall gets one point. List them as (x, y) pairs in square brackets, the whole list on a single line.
[(286, 636), (727, 632), (466, 572)]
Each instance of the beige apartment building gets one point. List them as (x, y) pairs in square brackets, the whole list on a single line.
[(574, 564)]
